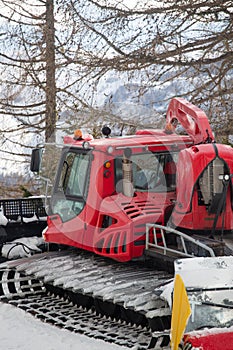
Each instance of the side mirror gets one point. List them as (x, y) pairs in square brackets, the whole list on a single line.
[(35, 159)]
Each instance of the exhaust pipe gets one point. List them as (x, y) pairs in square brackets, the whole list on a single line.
[(127, 171)]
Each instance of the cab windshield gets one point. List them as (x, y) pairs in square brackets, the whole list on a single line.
[(70, 190)]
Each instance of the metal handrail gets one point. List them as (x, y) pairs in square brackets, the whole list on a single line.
[(165, 249)]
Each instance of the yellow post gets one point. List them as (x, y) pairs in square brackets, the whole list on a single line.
[(181, 312)]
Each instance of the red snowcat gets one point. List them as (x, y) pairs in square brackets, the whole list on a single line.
[(146, 200), (156, 193)]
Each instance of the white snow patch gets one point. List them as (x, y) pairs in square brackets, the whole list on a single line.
[(3, 219), (31, 219), (208, 331), (167, 293), (205, 272), (22, 331)]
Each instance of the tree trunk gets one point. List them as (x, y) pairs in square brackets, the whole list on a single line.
[(50, 73)]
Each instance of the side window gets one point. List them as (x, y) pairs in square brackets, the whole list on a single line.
[(169, 169), (147, 171), (65, 173), (151, 172), (77, 176), (74, 174)]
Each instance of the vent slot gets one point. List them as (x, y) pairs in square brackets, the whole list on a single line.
[(140, 208)]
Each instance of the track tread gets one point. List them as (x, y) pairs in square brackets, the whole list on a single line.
[(67, 290), (63, 314)]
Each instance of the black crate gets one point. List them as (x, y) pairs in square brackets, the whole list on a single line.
[(17, 209)]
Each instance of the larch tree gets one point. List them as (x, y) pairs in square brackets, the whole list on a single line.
[(181, 48)]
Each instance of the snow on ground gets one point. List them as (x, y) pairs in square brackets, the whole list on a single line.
[(21, 331)]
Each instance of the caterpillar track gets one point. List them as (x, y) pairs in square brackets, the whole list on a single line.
[(70, 288)]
